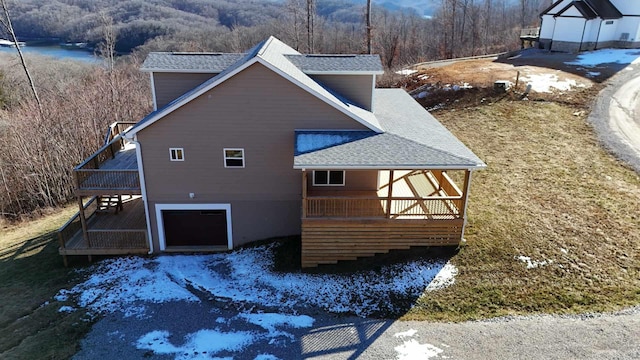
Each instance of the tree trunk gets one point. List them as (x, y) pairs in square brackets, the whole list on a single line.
[(6, 22), (369, 48)]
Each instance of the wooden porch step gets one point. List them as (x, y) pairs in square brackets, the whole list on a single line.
[(106, 203)]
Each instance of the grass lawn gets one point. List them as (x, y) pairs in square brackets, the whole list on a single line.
[(31, 273), (550, 193)]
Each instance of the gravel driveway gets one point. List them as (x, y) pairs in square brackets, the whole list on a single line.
[(616, 116), (601, 336)]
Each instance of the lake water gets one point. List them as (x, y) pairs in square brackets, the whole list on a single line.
[(55, 52)]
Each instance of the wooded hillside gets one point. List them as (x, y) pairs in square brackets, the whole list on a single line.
[(458, 27)]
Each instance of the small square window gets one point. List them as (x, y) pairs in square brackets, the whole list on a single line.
[(176, 154), (234, 158), (328, 178)]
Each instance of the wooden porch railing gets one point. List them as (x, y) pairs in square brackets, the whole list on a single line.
[(88, 174), (116, 129), (444, 207), (117, 239), (101, 238), (530, 32), (97, 179), (71, 227)]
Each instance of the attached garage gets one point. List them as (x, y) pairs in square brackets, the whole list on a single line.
[(195, 226)]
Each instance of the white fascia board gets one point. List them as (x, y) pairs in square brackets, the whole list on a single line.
[(320, 96), (333, 130), (343, 72), (172, 108), (186, 71), (143, 191), (387, 167), (153, 92)]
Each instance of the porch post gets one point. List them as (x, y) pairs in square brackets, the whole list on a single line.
[(465, 192), (83, 221), (304, 193), (389, 194)]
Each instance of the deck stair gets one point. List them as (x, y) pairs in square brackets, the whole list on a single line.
[(108, 202)]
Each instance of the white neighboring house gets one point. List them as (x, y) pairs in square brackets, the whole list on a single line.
[(579, 25)]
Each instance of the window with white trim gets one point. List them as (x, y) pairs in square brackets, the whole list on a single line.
[(328, 178), (176, 154), (234, 158)]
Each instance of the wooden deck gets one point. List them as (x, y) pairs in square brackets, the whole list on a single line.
[(108, 233), (111, 170), (417, 208)]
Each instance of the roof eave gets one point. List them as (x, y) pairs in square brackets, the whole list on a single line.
[(201, 71), (390, 167), (318, 72)]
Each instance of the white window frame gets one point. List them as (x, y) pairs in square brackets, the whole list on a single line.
[(225, 158), (344, 179), (175, 150)]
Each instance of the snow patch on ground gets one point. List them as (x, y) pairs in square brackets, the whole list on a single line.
[(122, 284), (199, 345), (269, 321), (545, 83), (532, 264), (445, 278), (412, 349), (66, 309), (406, 72), (408, 333), (606, 56)]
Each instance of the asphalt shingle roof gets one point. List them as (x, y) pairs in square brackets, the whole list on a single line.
[(217, 62), (413, 139), (590, 9), (337, 63), (196, 62)]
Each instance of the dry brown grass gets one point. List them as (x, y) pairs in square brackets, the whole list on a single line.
[(550, 193), (31, 273)]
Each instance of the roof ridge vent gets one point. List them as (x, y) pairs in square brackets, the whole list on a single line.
[(330, 55), (196, 53)]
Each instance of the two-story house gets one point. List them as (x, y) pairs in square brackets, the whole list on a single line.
[(271, 143)]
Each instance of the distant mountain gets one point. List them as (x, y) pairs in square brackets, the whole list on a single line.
[(422, 7)]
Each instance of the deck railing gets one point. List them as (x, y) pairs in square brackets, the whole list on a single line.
[(117, 239), (88, 174), (97, 179), (71, 227), (116, 129), (530, 32), (443, 207)]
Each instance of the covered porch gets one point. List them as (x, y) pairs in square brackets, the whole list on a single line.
[(423, 207)]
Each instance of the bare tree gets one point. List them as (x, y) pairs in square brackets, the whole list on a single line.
[(107, 48), (311, 14), (368, 15), (8, 27)]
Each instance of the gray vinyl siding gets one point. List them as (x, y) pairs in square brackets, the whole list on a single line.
[(357, 88), (257, 110), (169, 86)]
